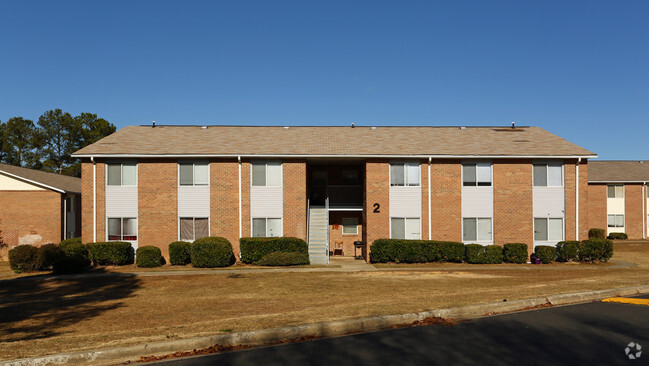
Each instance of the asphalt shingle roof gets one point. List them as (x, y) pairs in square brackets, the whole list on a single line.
[(618, 171), (358, 141), (59, 181)]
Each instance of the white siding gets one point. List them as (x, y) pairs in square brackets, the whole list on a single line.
[(194, 201), (121, 201), (8, 183), (266, 201), (548, 202), (405, 201), (477, 201), (615, 206)]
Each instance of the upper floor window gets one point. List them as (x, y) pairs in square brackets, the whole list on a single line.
[(476, 174), (548, 175), (267, 174), (404, 174), (194, 174), (121, 174), (615, 191)]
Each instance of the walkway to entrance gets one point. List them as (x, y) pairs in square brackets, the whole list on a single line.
[(351, 264)]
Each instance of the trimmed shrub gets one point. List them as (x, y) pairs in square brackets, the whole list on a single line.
[(545, 253), (449, 251), (596, 233), (47, 255), (283, 259), (70, 241), (179, 253), (148, 256), (595, 249), (515, 253), (212, 251), (74, 259), (253, 249), (111, 253), (617, 236), (480, 254), (23, 258), (415, 251), (567, 251)]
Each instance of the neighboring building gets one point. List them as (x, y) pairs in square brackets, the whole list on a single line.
[(334, 185), (618, 197), (37, 207)]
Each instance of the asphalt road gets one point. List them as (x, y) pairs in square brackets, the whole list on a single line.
[(586, 334)]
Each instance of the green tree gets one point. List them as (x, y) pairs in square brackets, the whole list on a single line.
[(19, 142), (87, 130), (56, 140)]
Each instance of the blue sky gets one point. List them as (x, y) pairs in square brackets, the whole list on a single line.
[(578, 69)]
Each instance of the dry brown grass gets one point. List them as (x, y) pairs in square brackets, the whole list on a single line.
[(52, 316)]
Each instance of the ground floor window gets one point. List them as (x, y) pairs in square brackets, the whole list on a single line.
[(192, 228), (122, 228), (476, 229), (405, 228), (548, 229), (266, 227), (350, 225), (615, 220)]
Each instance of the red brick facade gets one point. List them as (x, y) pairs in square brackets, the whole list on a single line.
[(633, 210), (513, 216), (295, 196), (446, 200), (224, 200), (377, 191)]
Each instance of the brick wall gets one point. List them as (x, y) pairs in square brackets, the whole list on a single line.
[(295, 196), (30, 217), (596, 207), (424, 200), (87, 201), (570, 170), (224, 201), (245, 199), (377, 190), (513, 221), (584, 197), (446, 200), (336, 232), (158, 203), (633, 210)]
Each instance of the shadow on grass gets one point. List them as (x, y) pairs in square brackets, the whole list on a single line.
[(40, 306)]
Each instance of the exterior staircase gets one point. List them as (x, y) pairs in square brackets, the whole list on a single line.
[(318, 235)]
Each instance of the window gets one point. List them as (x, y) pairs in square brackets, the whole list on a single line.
[(122, 229), (350, 177), (476, 229), (550, 229), (404, 174), (615, 191), (405, 228), (69, 204), (266, 227), (476, 174), (193, 174), (350, 225), (615, 220), (192, 228), (121, 174), (546, 175), (267, 174)]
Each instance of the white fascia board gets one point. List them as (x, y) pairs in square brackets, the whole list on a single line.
[(618, 181), (31, 181), (333, 156)]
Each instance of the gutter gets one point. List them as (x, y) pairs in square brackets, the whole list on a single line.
[(336, 156), (644, 210)]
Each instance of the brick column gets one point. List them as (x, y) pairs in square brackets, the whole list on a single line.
[(295, 197), (633, 210), (513, 214), (158, 203), (224, 201), (377, 190), (446, 200)]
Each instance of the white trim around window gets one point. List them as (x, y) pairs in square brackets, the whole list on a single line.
[(549, 229), (615, 191), (547, 175), (405, 174), (121, 174), (269, 226), (121, 229), (194, 173), (615, 220), (477, 229), (350, 225), (266, 174), (477, 174), (189, 227), (405, 228)]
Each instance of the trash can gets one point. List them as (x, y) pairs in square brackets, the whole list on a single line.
[(358, 247)]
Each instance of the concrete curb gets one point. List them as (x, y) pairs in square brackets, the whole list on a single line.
[(327, 329)]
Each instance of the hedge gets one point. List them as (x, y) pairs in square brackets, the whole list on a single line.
[(179, 253), (546, 253), (23, 258), (284, 259), (47, 255), (212, 251), (148, 256), (596, 233), (617, 236), (595, 249), (515, 253), (254, 249), (567, 251), (74, 258), (116, 253), (480, 254), (66, 242), (415, 251)]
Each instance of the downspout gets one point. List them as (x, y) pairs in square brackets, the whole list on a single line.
[(65, 217), (94, 199), (240, 220), (430, 228), (644, 210), (577, 199)]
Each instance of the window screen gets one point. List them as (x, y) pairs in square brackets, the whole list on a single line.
[(114, 174), (274, 174), (484, 229), (114, 229), (555, 229), (469, 230), (540, 175), (484, 174), (258, 174), (413, 229), (129, 174), (611, 191), (413, 174), (397, 175), (398, 228), (201, 174), (187, 229), (469, 175), (541, 229), (130, 229), (258, 227), (186, 172), (555, 176)]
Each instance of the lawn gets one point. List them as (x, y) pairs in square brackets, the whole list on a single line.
[(47, 316)]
